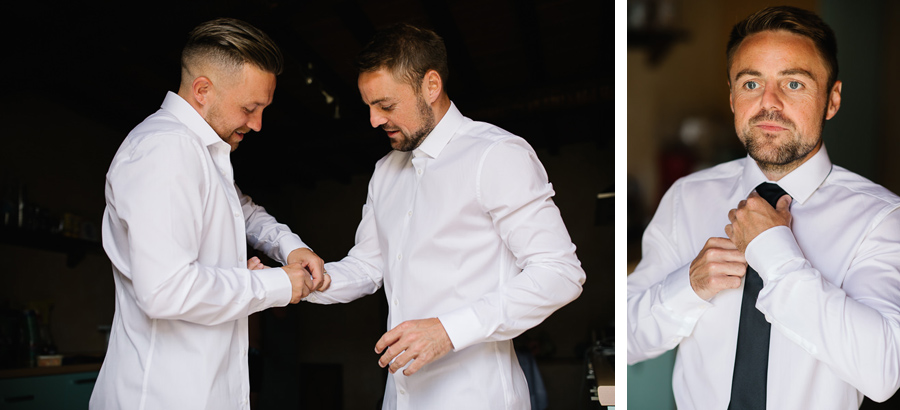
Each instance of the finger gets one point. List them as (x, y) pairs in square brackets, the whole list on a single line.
[(400, 361), (753, 194), (326, 283), (390, 356), (307, 286), (316, 268), (717, 242), (729, 230), (725, 282), (737, 269), (387, 339), (784, 203), (722, 255), (415, 366)]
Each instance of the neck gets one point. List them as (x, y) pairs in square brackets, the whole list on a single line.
[(185, 93), (440, 107), (774, 172)]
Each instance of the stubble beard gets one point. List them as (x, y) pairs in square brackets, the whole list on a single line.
[(214, 119), (411, 142), (782, 158)]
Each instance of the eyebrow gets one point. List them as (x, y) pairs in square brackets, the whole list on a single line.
[(789, 71), (797, 71), (373, 102), (747, 71)]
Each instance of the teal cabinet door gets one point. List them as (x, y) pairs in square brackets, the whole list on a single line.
[(62, 392)]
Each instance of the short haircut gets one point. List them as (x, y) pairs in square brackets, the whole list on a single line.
[(229, 44), (406, 51), (794, 20)]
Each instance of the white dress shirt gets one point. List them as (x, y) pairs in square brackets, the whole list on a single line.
[(464, 229), (176, 230), (831, 289)]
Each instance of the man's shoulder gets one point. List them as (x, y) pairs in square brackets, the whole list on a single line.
[(726, 173), (487, 134), (160, 125), (855, 184), (160, 135)]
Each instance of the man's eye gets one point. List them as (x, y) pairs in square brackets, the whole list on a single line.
[(751, 85), (387, 107), (794, 85)]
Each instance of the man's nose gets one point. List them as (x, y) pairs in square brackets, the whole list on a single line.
[(255, 121), (376, 119), (772, 98)]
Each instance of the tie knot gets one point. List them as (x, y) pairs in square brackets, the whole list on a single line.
[(770, 192)]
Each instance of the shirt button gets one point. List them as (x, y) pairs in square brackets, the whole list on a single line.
[(409, 213), (402, 391), (396, 302), (420, 172), (399, 257), (237, 215)]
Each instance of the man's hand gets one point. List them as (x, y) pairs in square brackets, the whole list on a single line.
[(314, 264), (753, 216), (255, 264), (423, 341), (719, 266), (301, 283)]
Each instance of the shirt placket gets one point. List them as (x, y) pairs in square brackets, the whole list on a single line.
[(401, 265), (222, 162)]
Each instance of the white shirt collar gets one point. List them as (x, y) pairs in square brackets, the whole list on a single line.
[(188, 116), (441, 134), (799, 183)]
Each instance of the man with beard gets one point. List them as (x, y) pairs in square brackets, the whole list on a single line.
[(799, 306), (176, 229), (460, 229)]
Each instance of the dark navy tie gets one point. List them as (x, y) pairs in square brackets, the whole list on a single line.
[(751, 359)]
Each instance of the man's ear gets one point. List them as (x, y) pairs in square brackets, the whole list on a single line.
[(202, 90), (834, 101), (432, 85)]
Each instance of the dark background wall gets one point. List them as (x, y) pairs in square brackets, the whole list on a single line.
[(84, 74)]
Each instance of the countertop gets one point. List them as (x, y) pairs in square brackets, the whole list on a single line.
[(47, 371)]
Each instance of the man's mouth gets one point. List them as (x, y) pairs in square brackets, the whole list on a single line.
[(770, 127)]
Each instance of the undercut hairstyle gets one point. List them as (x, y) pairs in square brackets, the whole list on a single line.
[(228, 44), (406, 51), (794, 20)]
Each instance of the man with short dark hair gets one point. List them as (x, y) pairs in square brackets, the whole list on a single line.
[(176, 229), (460, 229), (799, 307)]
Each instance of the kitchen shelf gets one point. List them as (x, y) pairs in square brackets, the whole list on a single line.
[(74, 248)]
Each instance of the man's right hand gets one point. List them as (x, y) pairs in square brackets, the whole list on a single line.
[(301, 282), (720, 265)]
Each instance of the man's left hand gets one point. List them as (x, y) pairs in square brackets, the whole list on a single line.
[(753, 216), (314, 264), (423, 341)]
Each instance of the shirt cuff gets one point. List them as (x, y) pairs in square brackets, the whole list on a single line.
[(288, 244), (462, 327), (277, 286), (682, 305), (773, 248)]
